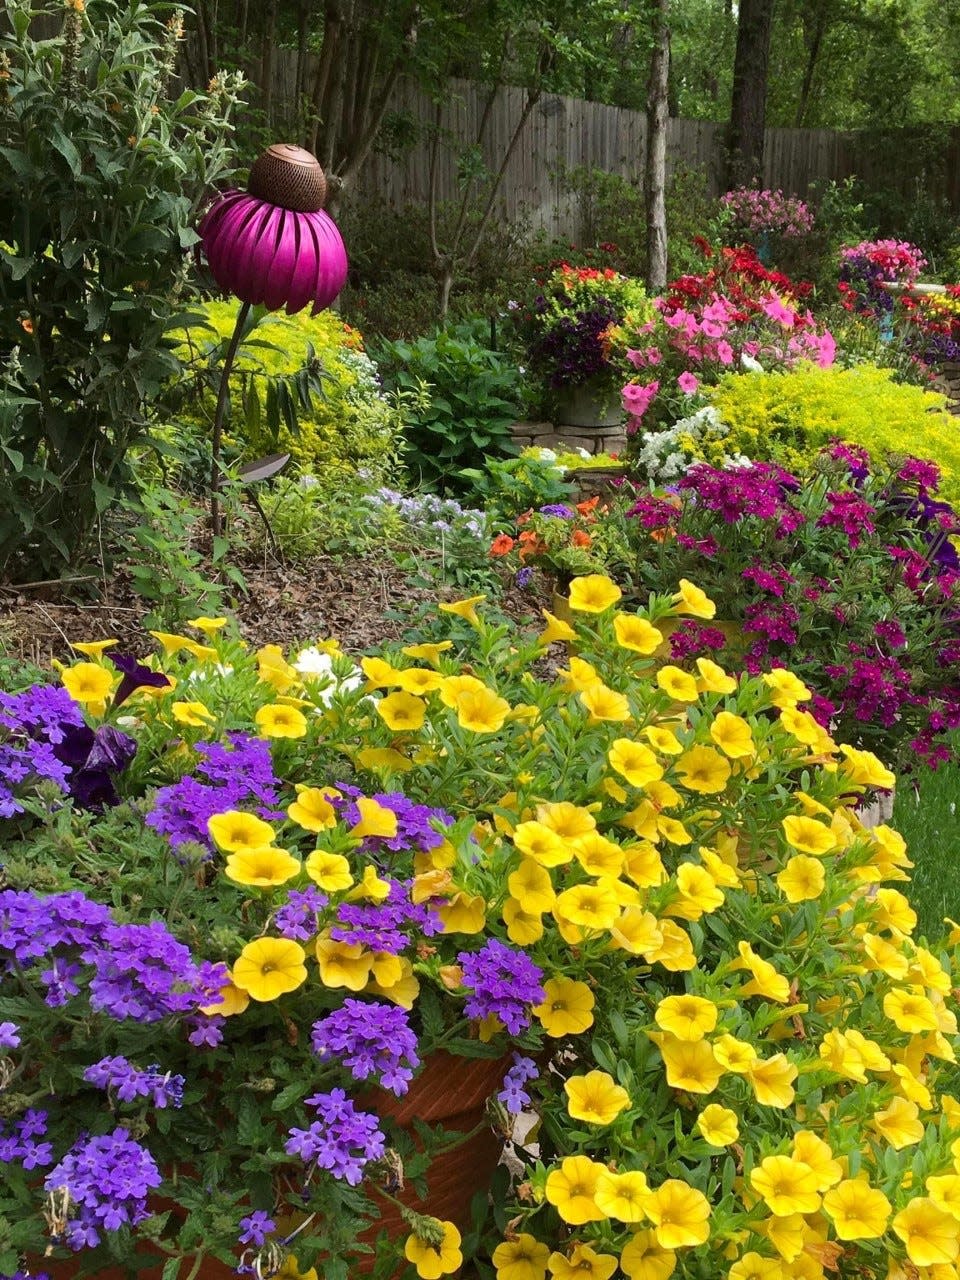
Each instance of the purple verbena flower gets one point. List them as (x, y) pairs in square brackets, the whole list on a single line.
[(255, 1228), (503, 981), (342, 1139), (513, 1095), (297, 918), (128, 1082), (370, 1038), (108, 1179)]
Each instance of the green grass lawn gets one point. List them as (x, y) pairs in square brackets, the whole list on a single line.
[(928, 818)]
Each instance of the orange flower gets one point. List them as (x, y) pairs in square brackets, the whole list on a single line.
[(580, 538), (587, 506), (502, 545)]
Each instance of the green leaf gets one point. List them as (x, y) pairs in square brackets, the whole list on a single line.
[(60, 142)]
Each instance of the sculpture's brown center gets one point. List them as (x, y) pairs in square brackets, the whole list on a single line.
[(288, 176)]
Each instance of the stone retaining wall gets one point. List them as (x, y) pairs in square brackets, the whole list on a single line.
[(948, 382), (550, 435)]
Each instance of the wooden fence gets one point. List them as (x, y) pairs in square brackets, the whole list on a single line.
[(569, 133)]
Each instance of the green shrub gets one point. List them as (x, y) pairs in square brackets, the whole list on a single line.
[(102, 172), (786, 417), (473, 399), (348, 427)]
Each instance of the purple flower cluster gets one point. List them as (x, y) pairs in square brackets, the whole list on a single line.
[(513, 1095), (107, 1179), (873, 689), (850, 513), (297, 918), (128, 1082), (416, 823), (692, 638), (137, 971), (342, 1139), (370, 1039), (9, 1035), (759, 490), (392, 925), (18, 1141), (36, 722), (571, 350), (504, 983), (229, 776)]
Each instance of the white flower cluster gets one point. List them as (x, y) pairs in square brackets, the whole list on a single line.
[(666, 455)]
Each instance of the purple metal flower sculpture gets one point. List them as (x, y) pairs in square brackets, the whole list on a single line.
[(273, 246)]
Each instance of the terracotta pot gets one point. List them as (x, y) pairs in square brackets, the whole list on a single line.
[(452, 1093)]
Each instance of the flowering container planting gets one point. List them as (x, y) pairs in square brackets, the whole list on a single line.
[(665, 894)]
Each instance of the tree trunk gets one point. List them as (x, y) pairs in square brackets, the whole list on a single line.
[(814, 30), (267, 60), (656, 160), (749, 105)]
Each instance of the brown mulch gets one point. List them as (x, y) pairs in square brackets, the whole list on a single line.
[(363, 602)]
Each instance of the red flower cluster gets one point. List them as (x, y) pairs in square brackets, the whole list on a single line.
[(739, 275)]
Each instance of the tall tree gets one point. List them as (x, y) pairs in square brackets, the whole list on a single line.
[(748, 107), (655, 183)]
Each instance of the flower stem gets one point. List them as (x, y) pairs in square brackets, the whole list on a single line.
[(215, 474)]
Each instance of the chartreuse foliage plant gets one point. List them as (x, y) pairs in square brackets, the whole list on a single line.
[(787, 416), (647, 887), (103, 165), (301, 383)]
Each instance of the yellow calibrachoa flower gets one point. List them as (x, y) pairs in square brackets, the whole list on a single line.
[(435, 1252), (531, 885), (786, 1185), (910, 1011), (209, 626), (604, 703), (331, 871), (802, 879), (679, 684), (466, 609), (597, 855), (591, 906), (894, 912), (753, 1266), (643, 1258), (634, 762), (864, 768), (313, 809), (380, 674), (772, 1080), (944, 1191), (566, 819), (765, 980), (343, 964), (194, 714), (464, 913), (375, 820), (263, 868), (272, 667), (718, 1125), (581, 675), (87, 683), (698, 893), (713, 678), (816, 1153), (595, 1098), (638, 932), (786, 690), (269, 967), (233, 831), (859, 1211), (689, 1064), (171, 643), (584, 1263), (594, 593), (680, 1215), (692, 600), (931, 1237), (93, 648), (567, 1008), (734, 1055), (676, 952), (663, 740), (622, 1195), (481, 710), (522, 1258), (899, 1122), (420, 681), (523, 927), (556, 631), (570, 1189), (425, 652), (277, 721), (402, 712), (536, 840), (636, 634), (808, 835), (686, 1017), (732, 734), (385, 758), (704, 770)]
